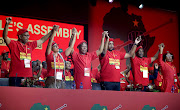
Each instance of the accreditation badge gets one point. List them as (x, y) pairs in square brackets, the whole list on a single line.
[(117, 66), (59, 75), (175, 80), (27, 63), (87, 72), (145, 73)]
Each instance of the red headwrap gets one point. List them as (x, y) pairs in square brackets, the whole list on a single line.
[(81, 43), (21, 31), (138, 48)]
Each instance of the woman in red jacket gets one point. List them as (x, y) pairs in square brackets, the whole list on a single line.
[(167, 68)]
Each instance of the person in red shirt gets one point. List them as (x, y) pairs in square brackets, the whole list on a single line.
[(95, 74), (82, 63), (176, 84), (139, 65), (158, 80), (44, 70), (37, 70), (123, 82), (168, 70), (110, 64), (21, 53), (5, 65), (55, 62), (68, 75), (126, 79)]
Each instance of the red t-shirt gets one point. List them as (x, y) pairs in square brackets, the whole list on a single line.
[(36, 73), (130, 78), (80, 63), (158, 80), (110, 66), (95, 75), (168, 71), (59, 63), (5, 66), (140, 65), (68, 76), (123, 83), (44, 73), (176, 83), (18, 53)]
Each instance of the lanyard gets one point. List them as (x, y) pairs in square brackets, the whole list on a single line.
[(23, 48), (112, 54), (86, 62), (170, 66), (58, 61)]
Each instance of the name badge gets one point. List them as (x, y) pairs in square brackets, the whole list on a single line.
[(117, 67), (145, 73), (27, 63), (59, 75), (175, 80), (87, 72)]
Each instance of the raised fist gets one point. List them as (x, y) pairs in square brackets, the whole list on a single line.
[(55, 28), (138, 39), (8, 20), (105, 33), (74, 31), (161, 46)]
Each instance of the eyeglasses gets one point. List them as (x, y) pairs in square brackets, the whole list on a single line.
[(169, 55)]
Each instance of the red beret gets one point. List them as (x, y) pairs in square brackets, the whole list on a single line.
[(54, 43), (111, 39), (81, 42), (138, 48), (21, 31)]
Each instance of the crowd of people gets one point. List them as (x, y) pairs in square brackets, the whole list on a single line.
[(52, 73)]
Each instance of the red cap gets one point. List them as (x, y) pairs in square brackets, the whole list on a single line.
[(54, 43), (4, 51), (21, 31), (138, 48), (81, 42), (111, 39)]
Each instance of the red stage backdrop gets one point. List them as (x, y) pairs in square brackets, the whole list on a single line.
[(127, 25), (37, 29)]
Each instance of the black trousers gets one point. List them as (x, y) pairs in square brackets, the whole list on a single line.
[(110, 86), (15, 81)]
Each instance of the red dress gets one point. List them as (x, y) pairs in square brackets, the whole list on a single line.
[(168, 71)]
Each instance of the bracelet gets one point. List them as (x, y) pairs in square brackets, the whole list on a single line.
[(135, 44)]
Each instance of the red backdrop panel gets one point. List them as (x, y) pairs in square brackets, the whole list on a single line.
[(37, 29), (121, 25)]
